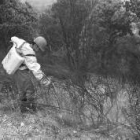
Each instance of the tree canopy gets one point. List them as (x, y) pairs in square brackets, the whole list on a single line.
[(95, 35), (16, 18)]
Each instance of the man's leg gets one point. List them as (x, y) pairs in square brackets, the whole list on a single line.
[(26, 90)]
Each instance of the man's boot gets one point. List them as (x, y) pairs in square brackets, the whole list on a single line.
[(32, 105), (24, 107)]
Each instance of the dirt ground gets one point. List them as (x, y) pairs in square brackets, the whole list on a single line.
[(38, 126)]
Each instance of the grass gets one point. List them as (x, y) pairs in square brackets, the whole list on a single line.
[(39, 126), (59, 111)]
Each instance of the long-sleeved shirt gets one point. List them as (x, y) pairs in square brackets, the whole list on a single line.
[(30, 60)]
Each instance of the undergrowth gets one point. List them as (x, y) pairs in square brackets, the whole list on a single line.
[(103, 109)]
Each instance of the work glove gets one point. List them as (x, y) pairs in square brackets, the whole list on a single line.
[(46, 82)]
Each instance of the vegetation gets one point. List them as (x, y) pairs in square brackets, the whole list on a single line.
[(16, 19), (94, 49), (94, 36)]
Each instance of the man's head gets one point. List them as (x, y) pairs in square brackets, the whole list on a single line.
[(40, 44)]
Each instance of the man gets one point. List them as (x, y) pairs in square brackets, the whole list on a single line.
[(30, 66)]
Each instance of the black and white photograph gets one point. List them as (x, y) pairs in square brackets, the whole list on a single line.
[(69, 69)]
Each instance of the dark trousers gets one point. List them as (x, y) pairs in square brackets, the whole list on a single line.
[(25, 87)]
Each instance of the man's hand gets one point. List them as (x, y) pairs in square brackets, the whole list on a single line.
[(47, 81)]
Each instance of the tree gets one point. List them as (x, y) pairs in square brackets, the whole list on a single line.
[(64, 24), (111, 24), (16, 19), (96, 35)]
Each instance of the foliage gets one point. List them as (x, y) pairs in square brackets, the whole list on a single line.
[(63, 24), (50, 28), (98, 40), (107, 108), (107, 43), (95, 36), (16, 19)]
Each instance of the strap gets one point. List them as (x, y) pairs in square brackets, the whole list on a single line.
[(19, 49), (26, 54), (30, 55), (22, 44), (21, 53)]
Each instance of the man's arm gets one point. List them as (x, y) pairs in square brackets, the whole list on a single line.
[(34, 66)]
